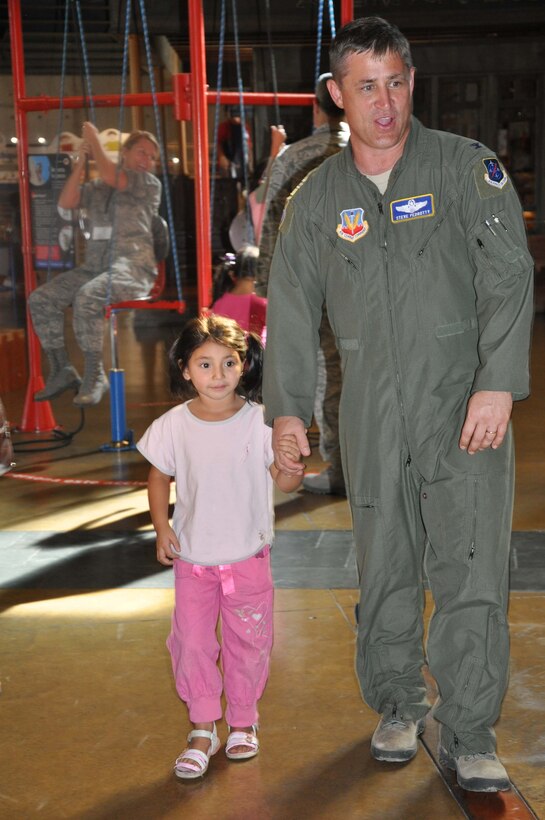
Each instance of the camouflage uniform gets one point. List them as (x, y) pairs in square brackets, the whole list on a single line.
[(289, 169), (129, 214)]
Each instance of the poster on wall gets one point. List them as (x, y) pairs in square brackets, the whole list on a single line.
[(52, 236)]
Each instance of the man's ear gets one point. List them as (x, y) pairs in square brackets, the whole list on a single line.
[(336, 93)]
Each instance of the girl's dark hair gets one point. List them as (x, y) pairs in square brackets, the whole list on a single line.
[(224, 332), (243, 265)]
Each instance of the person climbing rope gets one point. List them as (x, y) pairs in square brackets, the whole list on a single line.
[(117, 211)]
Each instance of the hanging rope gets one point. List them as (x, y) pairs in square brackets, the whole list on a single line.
[(166, 186), (332, 20), (244, 135), (168, 198), (319, 34), (273, 62), (59, 128), (112, 205), (219, 81), (89, 89), (319, 41)]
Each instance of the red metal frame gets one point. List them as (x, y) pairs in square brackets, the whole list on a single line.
[(37, 416)]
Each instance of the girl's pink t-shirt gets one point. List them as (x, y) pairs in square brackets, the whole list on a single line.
[(224, 491)]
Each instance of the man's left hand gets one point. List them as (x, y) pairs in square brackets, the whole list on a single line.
[(487, 417)]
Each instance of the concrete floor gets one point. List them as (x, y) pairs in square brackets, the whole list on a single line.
[(91, 724)]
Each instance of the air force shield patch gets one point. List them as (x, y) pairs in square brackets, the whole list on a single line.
[(352, 225), (495, 175)]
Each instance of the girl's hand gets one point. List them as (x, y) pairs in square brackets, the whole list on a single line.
[(290, 426), (287, 444), (168, 547)]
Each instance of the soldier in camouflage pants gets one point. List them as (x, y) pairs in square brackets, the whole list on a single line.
[(118, 210), (289, 168)]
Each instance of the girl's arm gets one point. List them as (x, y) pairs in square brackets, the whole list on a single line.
[(287, 483), (159, 494), (107, 169)]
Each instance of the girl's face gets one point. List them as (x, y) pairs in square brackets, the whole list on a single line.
[(214, 371)]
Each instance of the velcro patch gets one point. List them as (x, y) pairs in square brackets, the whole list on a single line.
[(490, 177), (353, 224), (416, 207), (495, 175)]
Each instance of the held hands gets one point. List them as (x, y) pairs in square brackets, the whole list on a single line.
[(287, 445), (487, 417), (290, 443), (168, 547)]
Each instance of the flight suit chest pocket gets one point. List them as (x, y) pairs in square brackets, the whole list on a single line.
[(498, 252), (345, 297)]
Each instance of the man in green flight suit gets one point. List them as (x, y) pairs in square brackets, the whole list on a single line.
[(415, 241)]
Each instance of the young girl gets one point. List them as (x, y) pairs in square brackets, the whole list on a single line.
[(218, 448), (234, 291)]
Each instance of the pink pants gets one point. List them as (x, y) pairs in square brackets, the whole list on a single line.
[(242, 594)]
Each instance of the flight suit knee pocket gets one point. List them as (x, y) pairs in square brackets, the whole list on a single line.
[(367, 521), (464, 529)]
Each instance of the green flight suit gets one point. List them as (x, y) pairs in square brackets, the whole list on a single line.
[(428, 290)]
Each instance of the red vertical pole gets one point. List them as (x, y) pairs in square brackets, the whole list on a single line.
[(347, 11), (197, 56), (37, 416)]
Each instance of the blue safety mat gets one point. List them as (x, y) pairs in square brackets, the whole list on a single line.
[(106, 559)]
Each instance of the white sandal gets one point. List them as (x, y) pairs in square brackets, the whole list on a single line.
[(193, 763), (248, 739)]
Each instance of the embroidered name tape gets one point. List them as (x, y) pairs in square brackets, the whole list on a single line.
[(352, 225), (416, 207)]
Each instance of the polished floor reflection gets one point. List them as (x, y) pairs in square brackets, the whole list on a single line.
[(91, 723)]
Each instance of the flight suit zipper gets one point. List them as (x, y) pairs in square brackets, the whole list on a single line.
[(428, 240), (394, 339), (473, 540), (435, 229)]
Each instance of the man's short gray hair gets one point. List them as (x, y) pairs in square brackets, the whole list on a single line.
[(367, 34)]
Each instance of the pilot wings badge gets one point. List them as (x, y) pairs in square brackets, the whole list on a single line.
[(352, 225)]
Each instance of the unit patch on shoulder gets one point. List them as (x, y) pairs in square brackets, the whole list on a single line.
[(416, 207), (493, 182), (495, 175), (352, 225)]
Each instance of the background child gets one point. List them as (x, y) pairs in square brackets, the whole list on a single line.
[(218, 448), (234, 291)]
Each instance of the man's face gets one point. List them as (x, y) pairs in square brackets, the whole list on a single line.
[(376, 94)]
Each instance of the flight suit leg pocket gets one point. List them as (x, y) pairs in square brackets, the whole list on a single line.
[(449, 513), (368, 535)]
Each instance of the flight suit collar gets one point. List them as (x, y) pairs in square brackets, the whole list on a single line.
[(416, 143)]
